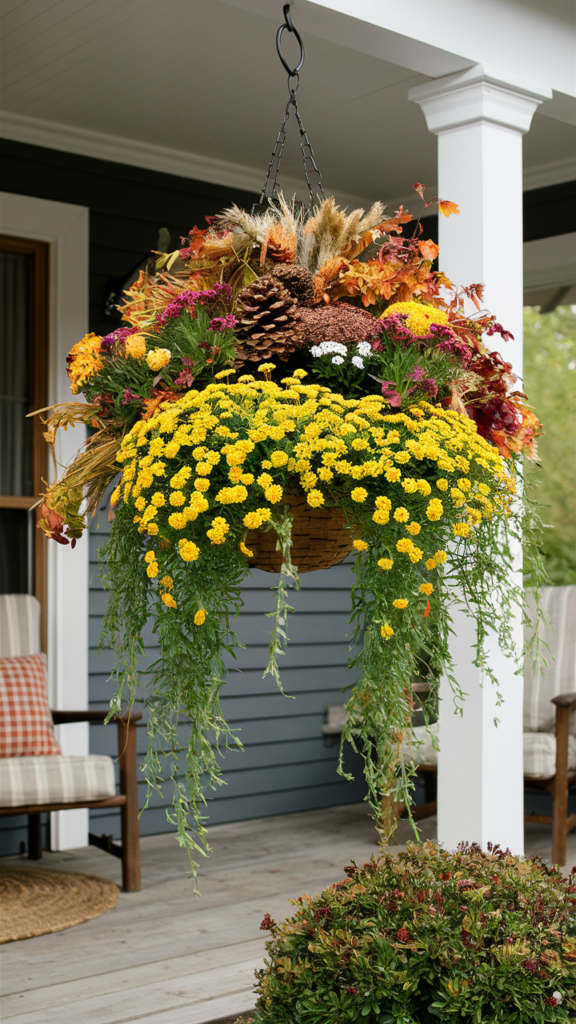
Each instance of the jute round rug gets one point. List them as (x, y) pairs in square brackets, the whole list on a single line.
[(37, 902)]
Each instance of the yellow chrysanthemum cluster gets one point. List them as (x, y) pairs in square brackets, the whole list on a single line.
[(184, 474), (135, 346), (420, 316), (84, 361)]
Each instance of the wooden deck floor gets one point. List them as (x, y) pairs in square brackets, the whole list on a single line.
[(163, 957)]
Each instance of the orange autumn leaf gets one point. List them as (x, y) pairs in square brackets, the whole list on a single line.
[(429, 249), (446, 207), (427, 610)]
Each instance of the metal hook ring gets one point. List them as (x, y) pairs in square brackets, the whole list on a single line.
[(288, 24)]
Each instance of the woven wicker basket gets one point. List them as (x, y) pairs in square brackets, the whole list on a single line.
[(319, 539)]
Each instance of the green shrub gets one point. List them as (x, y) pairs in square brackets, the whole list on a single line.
[(426, 937)]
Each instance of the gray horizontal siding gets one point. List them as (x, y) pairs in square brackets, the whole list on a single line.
[(285, 765)]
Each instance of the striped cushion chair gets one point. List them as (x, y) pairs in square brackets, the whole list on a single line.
[(550, 715), (34, 775)]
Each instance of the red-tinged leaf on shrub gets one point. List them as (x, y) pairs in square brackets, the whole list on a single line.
[(427, 610), (429, 249), (446, 207)]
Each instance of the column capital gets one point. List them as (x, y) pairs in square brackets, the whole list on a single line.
[(475, 96)]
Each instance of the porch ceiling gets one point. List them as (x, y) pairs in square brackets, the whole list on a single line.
[(202, 77)]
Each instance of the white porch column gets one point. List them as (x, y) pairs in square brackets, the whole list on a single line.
[(479, 122)]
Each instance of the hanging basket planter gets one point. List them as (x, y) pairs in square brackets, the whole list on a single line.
[(319, 538), (272, 401)]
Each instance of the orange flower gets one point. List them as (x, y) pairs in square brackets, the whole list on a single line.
[(446, 207)]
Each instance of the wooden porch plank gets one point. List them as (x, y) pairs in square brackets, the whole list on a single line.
[(183, 993)]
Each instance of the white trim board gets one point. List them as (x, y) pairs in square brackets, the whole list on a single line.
[(134, 153), (65, 228)]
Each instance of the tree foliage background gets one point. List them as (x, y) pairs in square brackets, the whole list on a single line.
[(550, 383)]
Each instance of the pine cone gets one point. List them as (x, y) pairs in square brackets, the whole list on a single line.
[(298, 281), (338, 322), (268, 322)]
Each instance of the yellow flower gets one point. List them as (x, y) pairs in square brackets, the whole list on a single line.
[(420, 316), (325, 474), (300, 373), (177, 520), (177, 498), (401, 515), (424, 487), (414, 529), (232, 495), (274, 494), (152, 570), (381, 516), (442, 484), (168, 600), (224, 373), (265, 480), (426, 588), (84, 361), (386, 631), (404, 545), (266, 464), (431, 563), (140, 503), (217, 533), (457, 497), (440, 557), (400, 603), (434, 510), (393, 475), (278, 458), (135, 346), (247, 479), (360, 545), (252, 520), (189, 551), (359, 494), (158, 358), (115, 495), (157, 499), (385, 563), (415, 554), (266, 367), (150, 556), (246, 551), (462, 530), (383, 503), (201, 484), (200, 617), (167, 582), (315, 498), (464, 484)]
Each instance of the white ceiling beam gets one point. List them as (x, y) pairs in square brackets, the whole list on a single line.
[(414, 38)]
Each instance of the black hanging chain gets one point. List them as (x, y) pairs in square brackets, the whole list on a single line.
[(305, 148)]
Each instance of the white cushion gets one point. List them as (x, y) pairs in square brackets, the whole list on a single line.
[(19, 625), (55, 779), (560, 672), (540, 755), (539, 751)]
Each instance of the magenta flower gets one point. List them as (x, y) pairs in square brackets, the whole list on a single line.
[(222, 323), (129, 396)]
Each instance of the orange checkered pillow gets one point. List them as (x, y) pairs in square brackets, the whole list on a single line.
[(25, 719)]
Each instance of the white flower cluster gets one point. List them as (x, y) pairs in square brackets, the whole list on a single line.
[(326, 348), (358, 361), (364, 348)]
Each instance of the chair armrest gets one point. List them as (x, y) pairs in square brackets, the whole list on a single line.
[(64, 717), (564, 700)]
